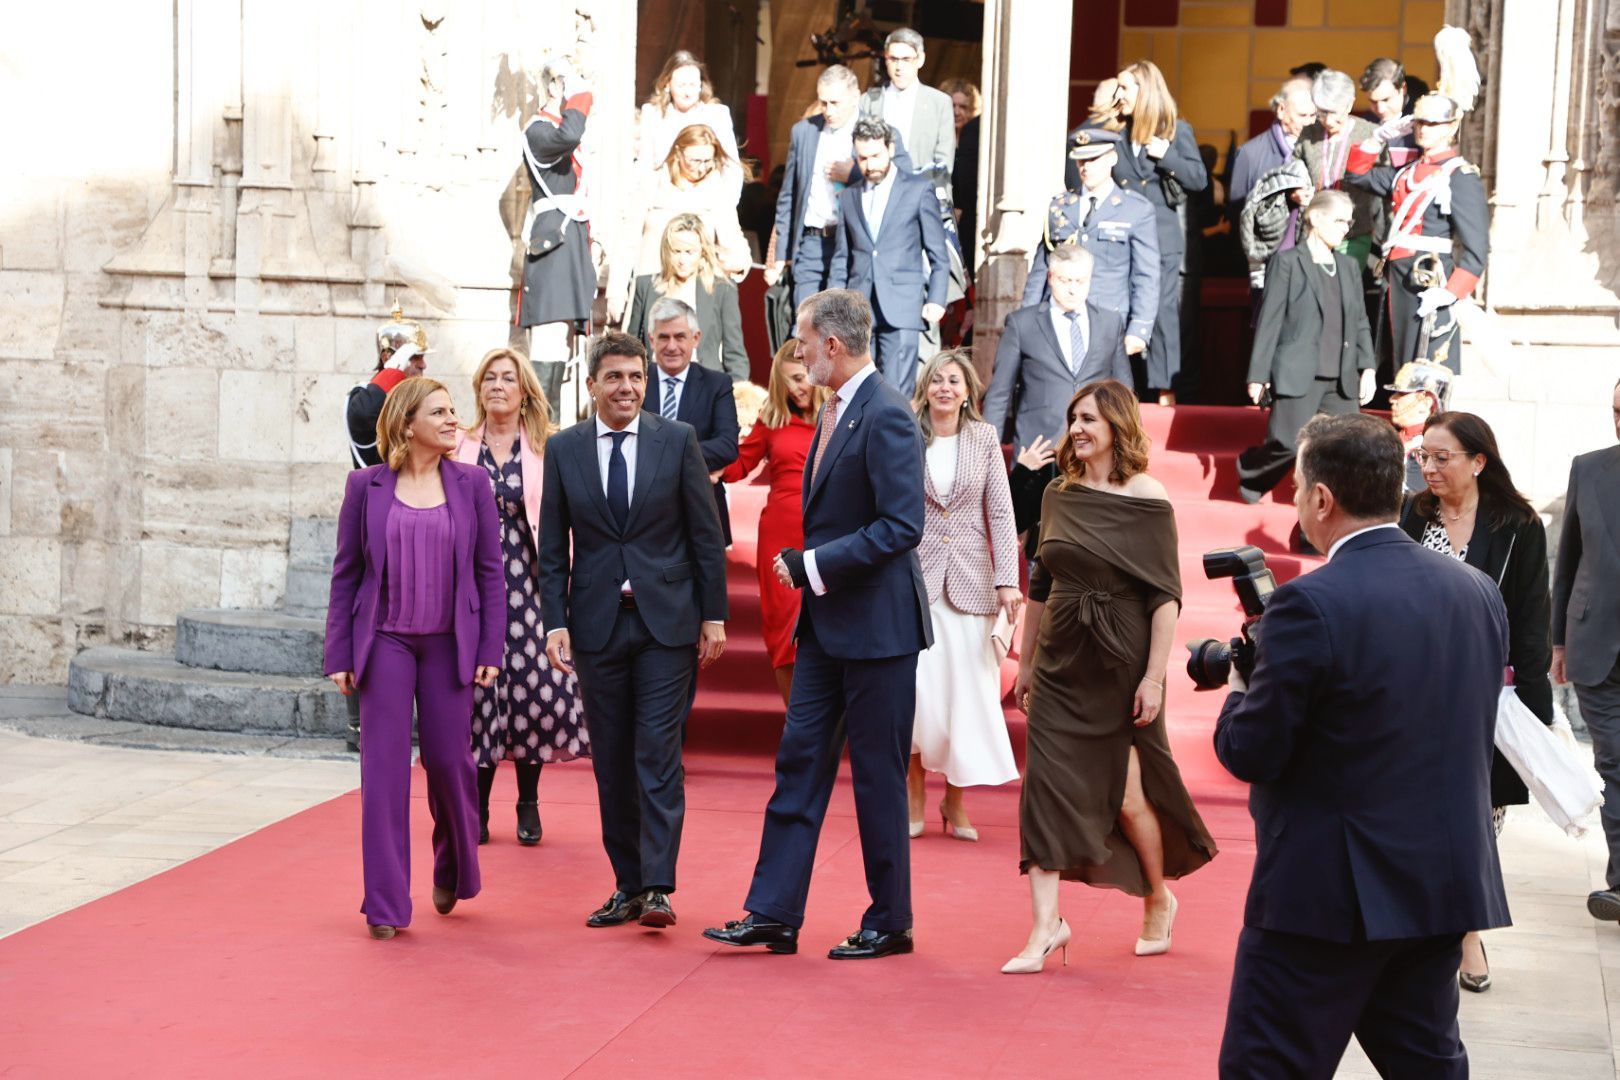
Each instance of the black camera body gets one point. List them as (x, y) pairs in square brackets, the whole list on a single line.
[(1212, 660)]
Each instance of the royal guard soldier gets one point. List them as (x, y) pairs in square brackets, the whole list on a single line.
[(1119, 230), (1439, 230)]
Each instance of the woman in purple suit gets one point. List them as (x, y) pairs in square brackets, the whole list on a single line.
[(416, 617)]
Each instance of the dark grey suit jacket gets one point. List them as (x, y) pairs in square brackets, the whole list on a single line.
[(1032, 384), (1288, 332), (670, 549), (1586, 583)]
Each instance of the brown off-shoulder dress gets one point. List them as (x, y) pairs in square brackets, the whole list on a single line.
[(1105, 563)]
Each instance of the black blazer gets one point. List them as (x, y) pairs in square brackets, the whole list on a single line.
[(719, 318), (1288, 331), (1142, 174), (1515, 558), (1367, 732), (708, 405), (670, 548)]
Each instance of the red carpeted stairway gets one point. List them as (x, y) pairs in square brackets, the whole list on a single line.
[(253, 960)]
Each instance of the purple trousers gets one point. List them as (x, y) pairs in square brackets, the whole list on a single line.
[(419, 669)]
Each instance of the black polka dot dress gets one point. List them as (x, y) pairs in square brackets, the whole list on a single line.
[(532, 712)]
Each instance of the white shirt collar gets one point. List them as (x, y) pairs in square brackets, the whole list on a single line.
[(884, 184), (633, 427), (1340, 542), (846, 393), (664, 376), (897, 92)]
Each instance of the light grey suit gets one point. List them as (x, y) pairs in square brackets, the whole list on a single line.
[(931, 145), (1586, 618), (1032, 384)]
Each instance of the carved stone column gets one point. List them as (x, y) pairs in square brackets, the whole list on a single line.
[(1022, 136)]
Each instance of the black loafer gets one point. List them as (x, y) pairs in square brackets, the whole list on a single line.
[(1604, 904), (655, 910), (528, 823), (871, 944), (754, 930), (616, 911)]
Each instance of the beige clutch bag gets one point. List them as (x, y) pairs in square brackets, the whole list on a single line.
[(1001, 635)]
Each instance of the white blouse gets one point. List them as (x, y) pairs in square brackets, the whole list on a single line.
[(942, 464)]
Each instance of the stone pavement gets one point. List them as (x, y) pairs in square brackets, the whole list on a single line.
[(86, 808)]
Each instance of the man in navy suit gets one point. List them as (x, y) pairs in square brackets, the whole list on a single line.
[(890, 248), (863, 621), (632, 593), (693, 394), (1366, 731), (820, 163)]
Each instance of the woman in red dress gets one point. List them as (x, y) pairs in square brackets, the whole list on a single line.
[(781, 437)]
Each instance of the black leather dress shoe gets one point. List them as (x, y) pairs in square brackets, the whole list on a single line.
[(755, 930), (871, 944), (616, 911), (655, 910), (1604, 904), (528, 823)]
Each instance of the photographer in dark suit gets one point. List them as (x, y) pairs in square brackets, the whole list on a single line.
[(1370, 761), (693, 394), (632, 590), (864, 620)]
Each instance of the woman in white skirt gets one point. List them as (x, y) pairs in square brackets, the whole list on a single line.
[(969, 555)]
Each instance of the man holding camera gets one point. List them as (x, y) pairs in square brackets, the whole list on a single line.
[(1365, 728)]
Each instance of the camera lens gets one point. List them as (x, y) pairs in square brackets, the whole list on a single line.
[(1210, 662)]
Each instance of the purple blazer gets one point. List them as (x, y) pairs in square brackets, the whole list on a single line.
[(357, 569)]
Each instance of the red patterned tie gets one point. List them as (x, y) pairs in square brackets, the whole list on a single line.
[(829, 422)]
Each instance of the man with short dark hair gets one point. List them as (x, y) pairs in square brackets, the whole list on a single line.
[(633, 593), (1366, 730), (890, 248), (693, 394), (920, 115)]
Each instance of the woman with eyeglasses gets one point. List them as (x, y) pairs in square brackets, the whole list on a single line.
[(682, 96), (694, 179), (1312, 344), (1471, 511)]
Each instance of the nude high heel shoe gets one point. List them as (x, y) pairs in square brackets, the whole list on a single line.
[(1159, 946), (1025, 965), (958, 832)]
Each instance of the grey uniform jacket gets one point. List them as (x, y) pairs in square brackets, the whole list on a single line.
[(1123, 239)]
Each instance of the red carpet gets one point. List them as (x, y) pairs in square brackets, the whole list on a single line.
[(254, 960)]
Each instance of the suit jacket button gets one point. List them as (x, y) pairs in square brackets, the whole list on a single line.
[(945, 539)]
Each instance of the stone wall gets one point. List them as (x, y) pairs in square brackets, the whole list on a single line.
[(197, 243)]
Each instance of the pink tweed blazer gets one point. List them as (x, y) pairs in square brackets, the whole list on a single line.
[(468, 443), (969, 545)]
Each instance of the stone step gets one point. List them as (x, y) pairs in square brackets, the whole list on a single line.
[(308, 589), (261, 642), (311, 541), (151, 688)]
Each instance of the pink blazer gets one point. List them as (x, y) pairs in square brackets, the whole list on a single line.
[(466, 452), (969, 544)]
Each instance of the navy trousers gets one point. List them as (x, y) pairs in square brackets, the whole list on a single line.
[(872, 703), (812, 262), (637, 694), (1296, 1001)]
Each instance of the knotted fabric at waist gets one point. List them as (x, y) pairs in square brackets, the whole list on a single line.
[(1071, 610)]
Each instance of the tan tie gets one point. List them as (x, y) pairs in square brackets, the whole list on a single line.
[(829, 422)]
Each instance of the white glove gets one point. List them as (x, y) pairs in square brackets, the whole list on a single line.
[(1390, 130), (401, 360), (1157, 147), (1432, 300)]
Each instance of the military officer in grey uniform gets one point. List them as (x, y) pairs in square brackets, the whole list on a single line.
[(1117, 227)]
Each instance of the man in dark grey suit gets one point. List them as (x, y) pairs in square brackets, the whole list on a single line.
[(1586, 629), (1050, 350), (632, 591)]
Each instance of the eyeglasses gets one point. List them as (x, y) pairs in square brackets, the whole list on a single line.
[(894, 59), (1439, 458), (698, 164)]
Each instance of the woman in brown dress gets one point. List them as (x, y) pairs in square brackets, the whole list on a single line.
[(1102, 801)]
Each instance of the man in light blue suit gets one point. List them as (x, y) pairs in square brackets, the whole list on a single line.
[(887, 225)]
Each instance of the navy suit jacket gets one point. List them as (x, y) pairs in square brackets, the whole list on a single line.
[(1367, 733), (670, 547), (863, 518), (358, 567), (707, 404), (799, 171), (890, 270)]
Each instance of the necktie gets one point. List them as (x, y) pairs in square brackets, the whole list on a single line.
[(1077, 342), (829, 423), (618, 490), (1091, 209), (671, 400)]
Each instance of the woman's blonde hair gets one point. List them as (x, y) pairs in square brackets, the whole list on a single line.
[(702, 135), (708, 261), (1155, 113), (963, 359), (678, 59), (1116, 403), (778, 407), (1103, 111), (967, 90), (399, 409), (534, 411)]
